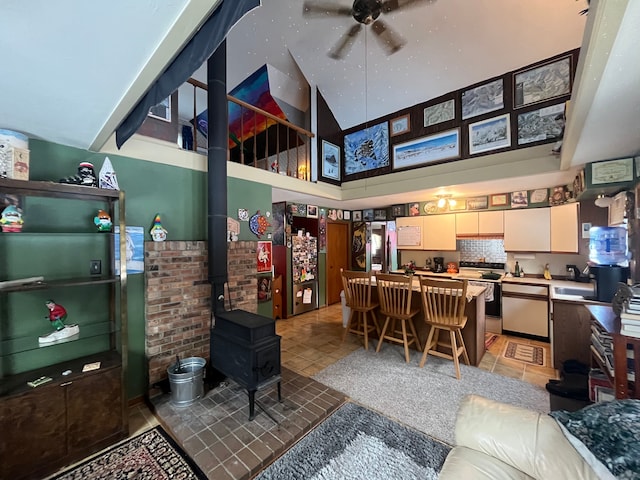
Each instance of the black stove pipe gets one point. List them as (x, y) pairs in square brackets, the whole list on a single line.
[(217, 135)]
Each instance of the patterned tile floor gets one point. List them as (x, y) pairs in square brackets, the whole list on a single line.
[(215, 430)]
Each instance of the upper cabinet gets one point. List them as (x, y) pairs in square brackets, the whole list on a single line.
[(439, 232), (410, 233), (480, 223), (527, 230), (564, 228)]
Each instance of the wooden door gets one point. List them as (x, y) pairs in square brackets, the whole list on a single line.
[(337, 258)]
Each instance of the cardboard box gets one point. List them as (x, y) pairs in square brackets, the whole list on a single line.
[(14, 163)]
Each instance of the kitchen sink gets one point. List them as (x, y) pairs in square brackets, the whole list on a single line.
[(576, 291)]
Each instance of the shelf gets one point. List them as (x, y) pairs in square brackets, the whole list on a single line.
[(65, 282), (56, 190)]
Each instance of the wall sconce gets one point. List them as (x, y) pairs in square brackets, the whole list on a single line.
[(444, 200)]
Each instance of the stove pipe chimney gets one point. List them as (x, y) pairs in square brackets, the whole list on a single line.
[(217, 137)]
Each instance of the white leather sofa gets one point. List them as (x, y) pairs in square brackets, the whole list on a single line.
[(498, 441)]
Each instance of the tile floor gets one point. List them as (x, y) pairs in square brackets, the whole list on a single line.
[(227, 446)]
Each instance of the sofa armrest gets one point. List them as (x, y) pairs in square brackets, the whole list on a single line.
[(527, 440)]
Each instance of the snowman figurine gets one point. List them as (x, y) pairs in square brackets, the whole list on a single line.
[(158, 233)]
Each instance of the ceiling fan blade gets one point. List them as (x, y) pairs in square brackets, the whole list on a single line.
[(394, 5), (390, 40), (345, 43), (325, 9)]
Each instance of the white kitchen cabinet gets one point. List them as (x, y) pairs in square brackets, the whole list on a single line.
[(467, 223), (564, 228), (439, 232), (491, 222), (527, 230), (525, 309), (410, 233)]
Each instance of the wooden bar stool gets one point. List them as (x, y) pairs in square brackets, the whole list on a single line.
[(357, 290), (444, 302), (394, 295)]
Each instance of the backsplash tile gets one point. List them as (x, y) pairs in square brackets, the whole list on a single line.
[(476, 249)]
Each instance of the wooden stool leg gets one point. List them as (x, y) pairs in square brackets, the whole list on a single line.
[(427, 347), (382, 334), (365, 330), (454, 352), (405, 341), (415, 334), (464, 347), (349, 322)]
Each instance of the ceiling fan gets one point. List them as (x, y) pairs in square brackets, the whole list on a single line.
[(365, 12)]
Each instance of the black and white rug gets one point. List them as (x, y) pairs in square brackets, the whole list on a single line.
[(356, 443), (152, 455)]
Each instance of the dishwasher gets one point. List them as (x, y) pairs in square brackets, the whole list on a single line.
[(525, 309)]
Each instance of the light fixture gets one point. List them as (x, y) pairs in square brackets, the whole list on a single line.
[(444, 200), (603, 201)]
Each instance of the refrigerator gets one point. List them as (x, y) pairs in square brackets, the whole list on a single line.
[(304, 269)]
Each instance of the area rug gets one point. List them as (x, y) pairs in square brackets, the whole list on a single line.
[(152, 455), (489, 339), (356, 442), (524, 352), (428, 398)]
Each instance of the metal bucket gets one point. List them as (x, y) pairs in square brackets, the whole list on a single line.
[(187, 386)]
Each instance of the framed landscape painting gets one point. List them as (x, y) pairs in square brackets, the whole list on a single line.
[(367, 149), (330, 160), (483, 99), (434, 148), (491, 134), (544, 82)]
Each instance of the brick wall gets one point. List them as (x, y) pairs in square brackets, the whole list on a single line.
[(177, 299)]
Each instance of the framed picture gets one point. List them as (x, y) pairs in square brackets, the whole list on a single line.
[(346, 215), (498, 200), (491, 134), (540, 195), (612, 171), (477, 203), (162, 111), (330, 160), (380, 214), (458, 205), (367, 215), (367, 149), (541, 124), (400, 125), (483, 99), (434, 148), (442, 112), (399, 210), (544, 82), (312, 211), (357, 215), (519, 199), (414, 209), (263, 256)]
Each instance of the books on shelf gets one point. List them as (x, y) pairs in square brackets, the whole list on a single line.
[(630, 330)]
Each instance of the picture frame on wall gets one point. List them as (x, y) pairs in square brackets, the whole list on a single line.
[(477, 203), (357, 215), (312, 211), (399, 210), (458, 205), (490, 134), (430, 149), (366, 150), (541, 124), (367, 215), (346, 215), (543, 82), (162, 110), (498, 200), (483, 99), (441, 112), (380, 214), (330, 160), (519, 199), (400, 125)]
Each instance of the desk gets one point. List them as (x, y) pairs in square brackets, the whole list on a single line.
[(472, 333)]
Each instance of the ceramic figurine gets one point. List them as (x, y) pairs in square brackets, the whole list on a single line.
[(107, 176), (158, 233), (57, 316), (103, 221), (11, 219), (86, 176)]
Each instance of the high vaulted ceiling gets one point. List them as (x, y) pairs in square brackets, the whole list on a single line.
[(73, 70)]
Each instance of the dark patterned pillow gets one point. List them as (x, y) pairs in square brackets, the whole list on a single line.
[(610, 431)]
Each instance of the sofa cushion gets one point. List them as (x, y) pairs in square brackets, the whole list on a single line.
[(466, 463), (606, 433)]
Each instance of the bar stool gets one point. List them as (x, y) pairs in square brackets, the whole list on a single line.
[(443, 302), (357, 289), (394, 294)]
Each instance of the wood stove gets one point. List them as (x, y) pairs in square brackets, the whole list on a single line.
[(245, 347)]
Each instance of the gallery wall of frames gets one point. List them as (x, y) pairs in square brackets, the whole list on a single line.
[(519, 109)]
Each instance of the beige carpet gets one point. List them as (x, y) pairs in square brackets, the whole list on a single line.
[(525, 352)]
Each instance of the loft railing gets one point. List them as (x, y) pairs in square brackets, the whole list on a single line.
[(265, 141)]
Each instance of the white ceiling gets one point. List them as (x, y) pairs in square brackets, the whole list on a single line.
[(73, 70)]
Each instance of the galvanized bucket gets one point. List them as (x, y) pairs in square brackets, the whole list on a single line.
[(187, 382)]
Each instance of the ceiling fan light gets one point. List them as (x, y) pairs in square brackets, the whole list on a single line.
[(452, 203), (441, 202)]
